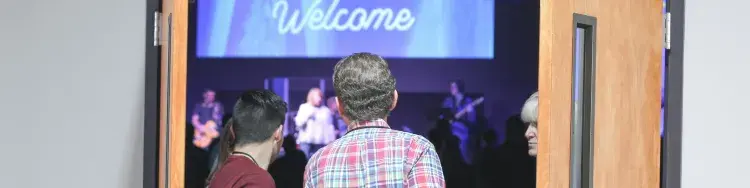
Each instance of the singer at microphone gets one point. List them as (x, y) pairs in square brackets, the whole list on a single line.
[(315, 123)]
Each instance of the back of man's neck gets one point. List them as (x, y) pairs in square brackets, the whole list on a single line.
[(260, 153), (353, 125)]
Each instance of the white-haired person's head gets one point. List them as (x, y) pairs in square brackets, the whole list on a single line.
[(529, 115)]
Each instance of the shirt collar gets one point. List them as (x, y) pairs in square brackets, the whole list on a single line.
[(372, 123)]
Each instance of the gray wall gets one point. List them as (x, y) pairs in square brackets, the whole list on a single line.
[(71, 93), (716, 101)]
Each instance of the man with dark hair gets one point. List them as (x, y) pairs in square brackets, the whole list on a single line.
[(371, 154), (252, 139), (207, 110), (459, 101), (207, 120), (464, 127)]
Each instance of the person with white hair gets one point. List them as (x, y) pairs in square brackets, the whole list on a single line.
[(529, 115), (314, 123)]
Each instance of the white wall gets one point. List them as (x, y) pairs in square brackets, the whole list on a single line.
[(716, 149), (71, 93)]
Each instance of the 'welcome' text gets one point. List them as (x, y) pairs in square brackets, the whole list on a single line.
[(340, 19)]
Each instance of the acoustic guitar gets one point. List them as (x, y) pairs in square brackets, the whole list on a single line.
[(202, 138)]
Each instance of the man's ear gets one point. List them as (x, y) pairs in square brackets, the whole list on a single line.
[(395, 100), (279, 133)]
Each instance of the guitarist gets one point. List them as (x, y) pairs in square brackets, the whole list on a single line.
[(465, 126), (207, 111)]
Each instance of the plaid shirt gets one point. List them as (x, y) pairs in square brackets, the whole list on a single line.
[(373, 155)]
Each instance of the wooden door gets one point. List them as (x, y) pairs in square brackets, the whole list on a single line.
[(174, 20), (624, 93)]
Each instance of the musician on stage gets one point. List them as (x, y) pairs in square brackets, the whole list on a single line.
[(207, 120), (314, 123), (464, 126)]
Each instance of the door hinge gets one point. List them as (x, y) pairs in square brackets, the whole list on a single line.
[(667, 30), (157, 28)]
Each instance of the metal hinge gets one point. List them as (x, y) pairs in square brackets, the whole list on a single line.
[(157, 28), (668, 30)]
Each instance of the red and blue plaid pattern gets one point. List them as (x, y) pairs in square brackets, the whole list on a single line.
[(373, 155)]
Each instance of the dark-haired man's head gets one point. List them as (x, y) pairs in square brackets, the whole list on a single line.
[(457, 87), (365, 88), (258, 122), (209, 96)]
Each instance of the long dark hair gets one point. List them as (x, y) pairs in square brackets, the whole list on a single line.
[(226, 146)]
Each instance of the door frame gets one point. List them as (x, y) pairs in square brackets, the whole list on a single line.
[(163, 131), (152, 93), (671, 157)]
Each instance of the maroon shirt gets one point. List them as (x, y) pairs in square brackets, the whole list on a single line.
[(241, 172)]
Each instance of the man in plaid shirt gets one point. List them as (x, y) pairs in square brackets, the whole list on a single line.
[(371, 154)]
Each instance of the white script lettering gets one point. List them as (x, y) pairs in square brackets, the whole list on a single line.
[(358, 19)]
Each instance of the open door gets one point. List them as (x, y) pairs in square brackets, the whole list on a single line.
[(599, 83), (173, 70)]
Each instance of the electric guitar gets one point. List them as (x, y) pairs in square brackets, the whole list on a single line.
[(465, 110), (202, 138)]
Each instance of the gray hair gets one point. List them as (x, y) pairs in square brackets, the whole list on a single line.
[(365, 87), (530, 110)]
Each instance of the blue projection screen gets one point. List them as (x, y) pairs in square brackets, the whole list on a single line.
[(336, 28)]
